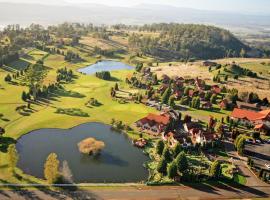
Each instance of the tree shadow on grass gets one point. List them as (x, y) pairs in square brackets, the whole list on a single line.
[(67, 93), (5, 119), (20, 191), (69, 190), (114, 79)]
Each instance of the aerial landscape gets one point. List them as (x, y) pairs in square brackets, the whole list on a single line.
[(134, 100)]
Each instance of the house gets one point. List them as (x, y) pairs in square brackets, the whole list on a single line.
[(206, 105), (162, 88), (178, 94), (208, 63), (200, 136), (224, 104), (263, 128), (191, 125), (216, 89), (248, 106), (165, 79), (199, 83), (252, 117), (170, 138), (153, 123)]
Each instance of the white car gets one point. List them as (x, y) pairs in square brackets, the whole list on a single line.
[(267, 166), (258, 141), (250, 141)]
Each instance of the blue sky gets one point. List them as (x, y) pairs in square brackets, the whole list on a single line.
[(248, 6)]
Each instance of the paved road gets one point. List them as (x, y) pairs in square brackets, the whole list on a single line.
[(194, 192), (252, 180)]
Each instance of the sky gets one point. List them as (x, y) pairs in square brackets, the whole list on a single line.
[(243, 6)]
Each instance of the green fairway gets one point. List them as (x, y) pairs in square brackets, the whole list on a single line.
[(73, 98)]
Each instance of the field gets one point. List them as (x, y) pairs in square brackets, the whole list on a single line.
[(74, 97), (244, 84)]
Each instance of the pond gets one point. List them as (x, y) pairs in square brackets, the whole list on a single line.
[(105, 65), (118, 162)]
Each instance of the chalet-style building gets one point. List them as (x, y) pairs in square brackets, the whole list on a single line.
[(201, 137), (153, 123), (216, 89), (199, 83), (261, 120), (171, 138), (162, 88), (165, 79), (224, 104)]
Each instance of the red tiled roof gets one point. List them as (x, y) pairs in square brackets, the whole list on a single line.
[(160, 119), (250, 115), (261, 126), (265, 112)]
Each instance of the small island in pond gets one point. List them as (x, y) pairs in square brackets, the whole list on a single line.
[(90, 146)]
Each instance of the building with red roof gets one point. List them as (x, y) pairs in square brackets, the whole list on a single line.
[(216, 89), (259, 119), (154, 123)]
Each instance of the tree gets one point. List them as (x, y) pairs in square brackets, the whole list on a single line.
[(34, 77), (177, 149), (241, 145), (171, 102), (162, 166), (12, 157), (182, 162), (2, 130), (166, 95), (213, 99), (8, 78), (24, 96), (166, 154), (242, 53), (160, 146), (172, 170), (51, 168), (215, 169), (116, 87)]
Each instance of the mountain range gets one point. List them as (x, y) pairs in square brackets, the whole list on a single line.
[(25, 14)]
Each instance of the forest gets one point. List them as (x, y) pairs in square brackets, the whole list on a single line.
[(185, 41)]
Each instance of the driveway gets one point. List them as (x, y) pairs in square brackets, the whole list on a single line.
[(251, 178)]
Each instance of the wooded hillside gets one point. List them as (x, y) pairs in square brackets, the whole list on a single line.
[(176, 41)]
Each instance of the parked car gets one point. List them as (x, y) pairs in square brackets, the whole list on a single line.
[(258, 141), (250, 141), (267, 166)]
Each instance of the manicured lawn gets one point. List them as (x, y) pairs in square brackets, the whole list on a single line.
[(240, 179), (73, 101)]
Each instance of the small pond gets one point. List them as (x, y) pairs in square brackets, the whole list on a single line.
[(106, 65), (118, 162)]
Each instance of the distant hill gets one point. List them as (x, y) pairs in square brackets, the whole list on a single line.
[(178, 41), (11, 13)]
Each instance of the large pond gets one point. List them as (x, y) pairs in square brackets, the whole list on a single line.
[(105, 65), (118, 162)]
